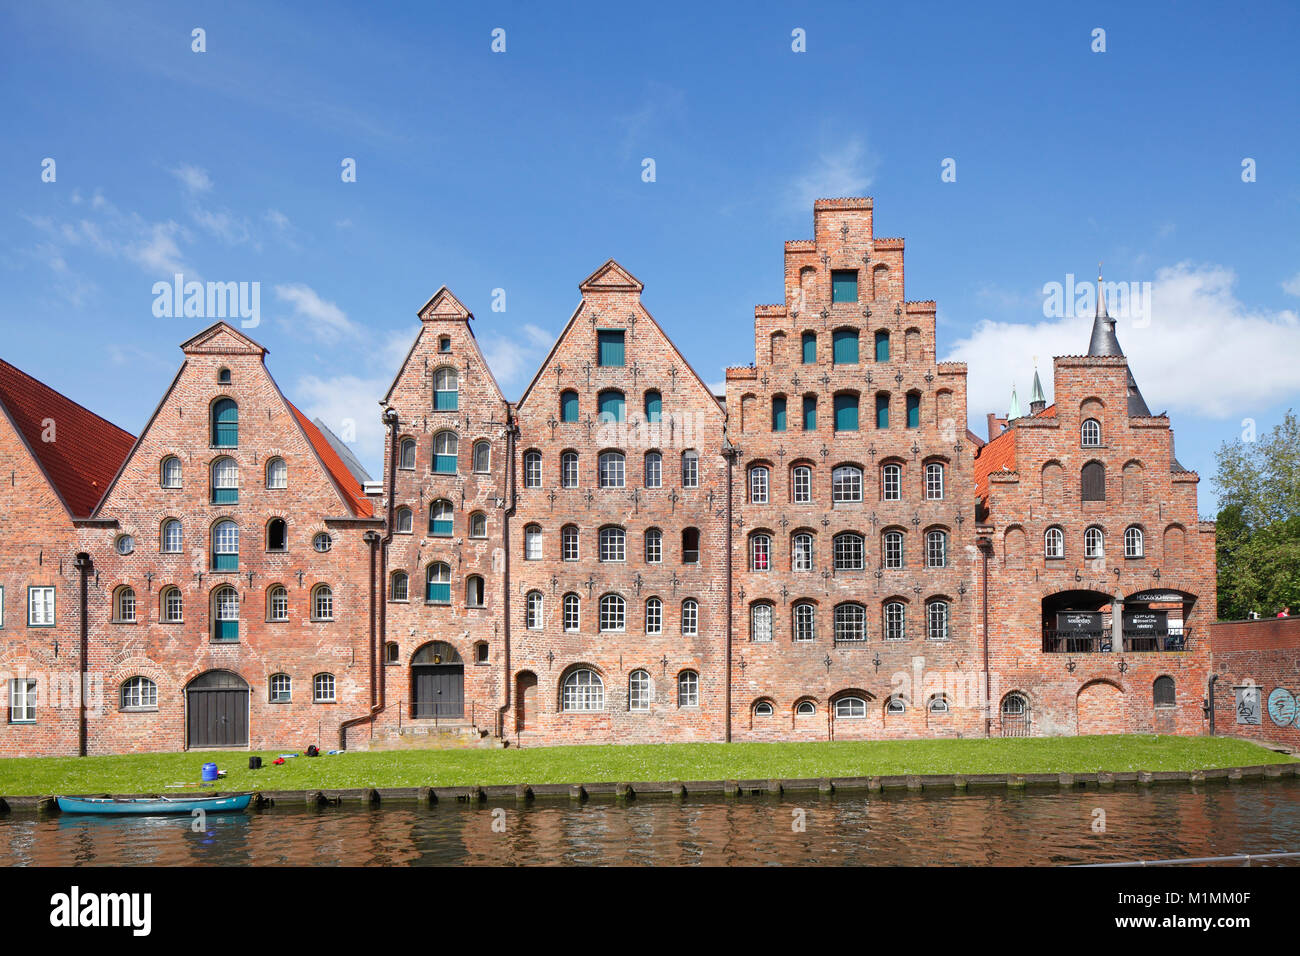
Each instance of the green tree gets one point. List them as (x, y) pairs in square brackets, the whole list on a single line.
[(1259, 522)]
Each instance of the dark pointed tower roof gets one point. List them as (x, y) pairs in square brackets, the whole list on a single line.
[(1105, 342), (1037, 396)]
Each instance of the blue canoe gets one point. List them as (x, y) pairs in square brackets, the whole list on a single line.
[(151, 805)]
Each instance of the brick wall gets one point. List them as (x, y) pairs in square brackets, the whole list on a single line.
[(1264, 655)]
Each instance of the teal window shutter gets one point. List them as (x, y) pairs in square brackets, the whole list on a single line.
[(882, 346), (882, 411), (444, 464), (913, 410), (612, 406), (569, 407), (810, 413), (225, 496), (778, 413), (810, 348), (225, 562), (227, 630), (611, 347), (846, 413), (844, 285), (845, 347), (653, 407), (439, 592), (225, 423)]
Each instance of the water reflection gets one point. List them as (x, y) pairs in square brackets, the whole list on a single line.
[(994, 827)]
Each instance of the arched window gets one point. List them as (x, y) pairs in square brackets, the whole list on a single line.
[(1015, 708), (533, 611), (322, 689), (482, 457), (171, 606), (478, 525), (225, 614), (532, 542), (572, 607), (801, 484), (891, 482), (891, 549), (532, 469), (391, 653), (568, 406), (475, 592), (764, 708), (688, 689), (654, 469), (801, 551), (171, 472), (402, 521), (690, 469), (613, 613), (322, 603), (280, 689), (1094, 543), (139, 693), (639, 692), (445, 390), (1090, 433), (934, 481), (778, 413), (759, 482), (613, 544), (690, 618), (913, 409), (808, 348), (277, 604), (446, 448), (654, 407), (568, 470), (804, 622), (936, 621), (406, 454), (938, 704), (277, 473), (654, 546), (582, 692), (850, 708), (441, 518), (225, 481), (846, 412), (895, 622), (805, 708), (400, 588), (849, 552), (1093, 481), (1054, 543), (1162, 692), (437, 583), (611, 406), (760, 623), (850, 623), (171, 536), (846, 483), (277, 535), (654, 616), (1134, 543), (225, 546), (844, 347), (225, 423), (124, 606), (882, 409), (760, 552), (882, 346), (690, 546), (936, 549), (223, 376), (612, 469), (569, 543)]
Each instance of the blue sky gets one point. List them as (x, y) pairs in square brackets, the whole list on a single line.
[(522, 171)]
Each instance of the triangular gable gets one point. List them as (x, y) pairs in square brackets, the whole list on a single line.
[(87, 450), (443, 305), (221, 339), (611, 277)]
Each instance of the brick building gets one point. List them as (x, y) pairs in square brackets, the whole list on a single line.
[(825, 552)]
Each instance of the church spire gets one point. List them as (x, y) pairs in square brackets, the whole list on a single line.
[(1037, 400), (1014, 412), (1103, 340)]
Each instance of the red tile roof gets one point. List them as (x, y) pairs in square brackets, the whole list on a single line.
[(347, 483), (998, 454), (87, 450)]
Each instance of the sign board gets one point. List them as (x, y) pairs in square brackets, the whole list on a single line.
[(1146, 623), (1156, 597), (1079, 622)]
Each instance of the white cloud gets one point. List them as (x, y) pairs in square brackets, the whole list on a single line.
[(514, 358), (193, 178), (843, 170), (159, 252), (1203, 352), (320, 319), (349, 405), (1292, 285)]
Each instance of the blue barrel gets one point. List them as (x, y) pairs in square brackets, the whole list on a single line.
[(209, 772)]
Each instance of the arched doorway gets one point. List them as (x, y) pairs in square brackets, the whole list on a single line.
[(525, 701), (216, 711), (1077, 622), (1100, 707), (437, 682)]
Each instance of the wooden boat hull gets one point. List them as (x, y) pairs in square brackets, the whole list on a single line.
[(141, 806)]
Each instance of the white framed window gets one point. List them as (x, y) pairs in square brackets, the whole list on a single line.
[(850, 708), (532, 469), (2, 605), (582, 692), (688, 689), (895, 706), (764, 708), (613, 613), (406, 454), (478, 525), (1094, 543), (613, 544), (533, 611), (801, 484), (612, 467), (639, 691), (654, 470), (482, 463), (936, 549), (846, 484), (124, 544), (654, 616), (572, 612), (801, 551), (758, 484), (124, 606), (277, 473), (805, 708), (892, 550), (277, 604), (322, 603), (400, 587), (760, 623), (533, 543), (22, 700), (850, 623), (895, 621), (760, 552), (934, 481), (403, 521), (1054, 543), (322, 688), (849, 552), (171, 536), (569, 542), (225, 475), (690, 469), (322, 542), (171, 472), (281, 688), (805, 623), (569, 469), (654, 546), (690, 617), (40, 606), (936, 613), (891, 482), (1134, 546), (1090, 433), (938, 705), (139, 693)]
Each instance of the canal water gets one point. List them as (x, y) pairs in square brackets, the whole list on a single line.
[(982, 827)]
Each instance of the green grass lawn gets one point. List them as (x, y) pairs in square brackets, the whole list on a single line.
[(148, 773)]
